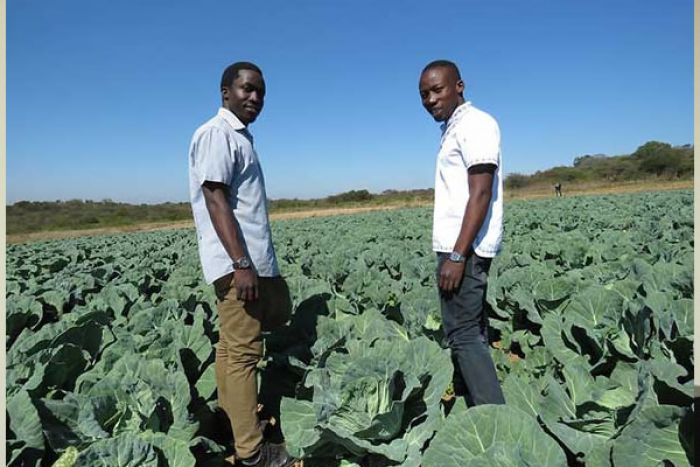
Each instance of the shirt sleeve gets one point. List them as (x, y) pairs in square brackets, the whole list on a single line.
[(480, 143), (213, 158)]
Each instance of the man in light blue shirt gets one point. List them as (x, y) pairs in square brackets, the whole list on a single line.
[(229, 205)]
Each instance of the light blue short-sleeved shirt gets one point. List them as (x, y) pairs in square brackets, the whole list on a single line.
[(222, 151)]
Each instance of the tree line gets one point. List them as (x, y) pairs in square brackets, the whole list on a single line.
[(75, 214), (652, 160)]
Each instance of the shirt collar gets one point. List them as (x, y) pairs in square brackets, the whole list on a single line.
[(231, 119), (456, 116)]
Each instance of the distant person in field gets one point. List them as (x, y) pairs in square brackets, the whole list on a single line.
[(467, 226), (557, 189), (229, 204)]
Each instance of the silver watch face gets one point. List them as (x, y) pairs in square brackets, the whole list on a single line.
[(456, 257), (243, 263)]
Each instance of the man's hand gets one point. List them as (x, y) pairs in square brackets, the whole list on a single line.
[(246, 283), (450, 276)]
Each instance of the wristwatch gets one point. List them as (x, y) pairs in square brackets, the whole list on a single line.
[(456, 257), (242, 263)]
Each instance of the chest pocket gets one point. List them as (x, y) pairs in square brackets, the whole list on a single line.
[(450, 155), (246, 165)]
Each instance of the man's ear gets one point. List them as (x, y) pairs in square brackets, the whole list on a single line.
[(224, 93), (460, 86)]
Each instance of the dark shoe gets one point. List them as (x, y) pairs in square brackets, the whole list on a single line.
[(271, 455)]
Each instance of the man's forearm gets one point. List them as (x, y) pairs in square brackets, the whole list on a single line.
[(224, 223), (226, 227), (474, 215)]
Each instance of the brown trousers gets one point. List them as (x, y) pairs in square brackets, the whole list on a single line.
[(239, 350)]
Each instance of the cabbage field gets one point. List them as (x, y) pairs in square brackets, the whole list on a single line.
[(109, 344)]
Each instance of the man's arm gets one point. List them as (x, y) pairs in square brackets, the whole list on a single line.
[(480, 182), (221, 214)]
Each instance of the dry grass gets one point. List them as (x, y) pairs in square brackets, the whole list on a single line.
[(510, 195), (59, 234), (540, 192)]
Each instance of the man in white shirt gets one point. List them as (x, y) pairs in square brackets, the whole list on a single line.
[(229, 205), (467, 225)]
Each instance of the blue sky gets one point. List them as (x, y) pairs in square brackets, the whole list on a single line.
[(103, 96)]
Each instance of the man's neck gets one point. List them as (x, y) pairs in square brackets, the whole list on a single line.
[(459, 103)]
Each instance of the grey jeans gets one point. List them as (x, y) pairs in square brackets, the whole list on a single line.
[(465, 324)]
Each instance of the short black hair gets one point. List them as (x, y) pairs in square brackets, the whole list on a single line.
[(231, 72), (443, 64)]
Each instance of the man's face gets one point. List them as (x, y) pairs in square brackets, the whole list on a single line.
[(245, 96), (440, 92)]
